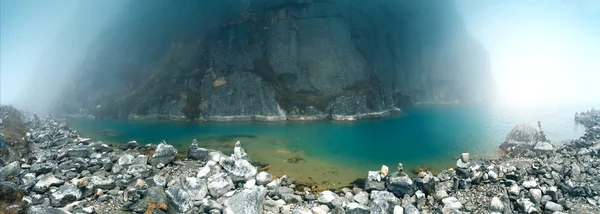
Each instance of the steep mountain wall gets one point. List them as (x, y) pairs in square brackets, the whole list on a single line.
[(278, 60)]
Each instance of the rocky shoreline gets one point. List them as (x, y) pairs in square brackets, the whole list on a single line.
[(65, 173)]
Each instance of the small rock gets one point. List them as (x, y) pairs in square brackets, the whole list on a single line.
[(553, 207), (263, 178), (450, 204), (529, 184), (536, 195), (496, 205)]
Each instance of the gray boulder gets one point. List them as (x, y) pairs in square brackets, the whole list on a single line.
[(159, 180), (139, 170), (28, 180), (385, 196), (46, 182), (329, 198), (553, 207), (42, 168), (543, 148), (11, 169), (355, 208), (196, 188), (362, 197), (41, 209), (164, 154), (374, 181), (496, 205), (247, 201), (263, 178), (219, 184), (102, 182), (79, 151), (126, 160), (141, 159), (209, 169), (401, 186), (291, 198), (197, 153), (240, 170), (132, 144), (379, 206), (521, 138), (179, 198), (451, 204), (65, 194)]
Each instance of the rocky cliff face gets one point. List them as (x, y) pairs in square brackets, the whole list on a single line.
[(278, 60)]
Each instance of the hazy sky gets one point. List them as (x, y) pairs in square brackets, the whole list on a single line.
[(542, 51), (26, 29)]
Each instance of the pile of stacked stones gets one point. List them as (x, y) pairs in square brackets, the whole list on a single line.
[(68, 173)]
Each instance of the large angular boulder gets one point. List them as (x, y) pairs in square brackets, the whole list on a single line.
[(164, 154), (240, 170), (102, 182), (196, 188), (355, 208), (42, 167), (65, 194), (41, 209), (219, 184), (401, 186), (46, 182), (330, 199), (179, 199), (524, 137), (374, 181), (139, 170), (79, 151), (248, 201), (11, 169), (209, 169), (263, 178), (126, 160)]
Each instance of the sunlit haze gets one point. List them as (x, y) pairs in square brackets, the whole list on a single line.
[(542, 52)]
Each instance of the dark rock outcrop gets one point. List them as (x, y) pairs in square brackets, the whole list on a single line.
[(279, 60)]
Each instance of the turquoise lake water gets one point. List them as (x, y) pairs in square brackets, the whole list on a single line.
[(340, 152)]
